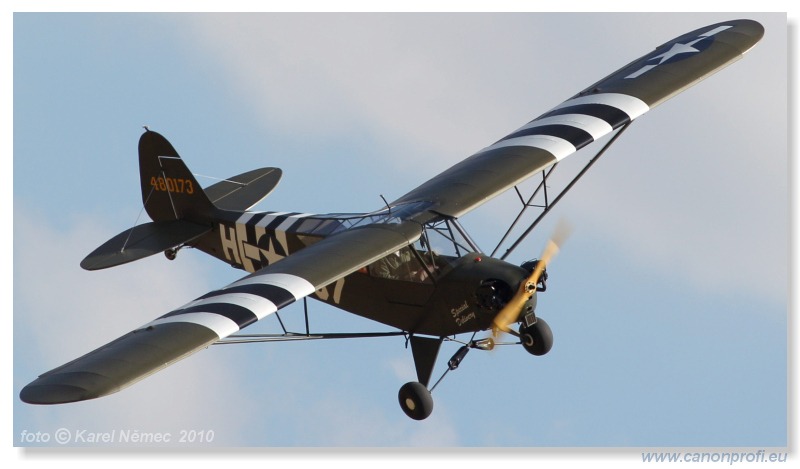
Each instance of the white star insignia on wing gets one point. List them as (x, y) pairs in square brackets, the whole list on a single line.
[(676, 49)]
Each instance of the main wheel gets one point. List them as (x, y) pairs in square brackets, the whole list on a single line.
[(537, 338), (415, 400)]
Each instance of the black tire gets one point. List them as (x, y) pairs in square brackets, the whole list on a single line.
[(415, 400), (538, 338)]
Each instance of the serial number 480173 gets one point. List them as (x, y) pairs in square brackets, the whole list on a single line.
[(176, 185)]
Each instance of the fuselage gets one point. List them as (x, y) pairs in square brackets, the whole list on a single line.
[(424, 288)]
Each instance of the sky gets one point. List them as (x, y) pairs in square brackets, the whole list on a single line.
[(669, 303)]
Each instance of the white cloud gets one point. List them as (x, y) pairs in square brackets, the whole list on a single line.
[(62, 312), (403, 370), (438, 84), (707, 202), (423, 80)]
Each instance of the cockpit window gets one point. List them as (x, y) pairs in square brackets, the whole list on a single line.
[(401, 265), (431, 256), (446, 239)]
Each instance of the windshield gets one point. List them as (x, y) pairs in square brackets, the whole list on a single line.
[(431, 256)]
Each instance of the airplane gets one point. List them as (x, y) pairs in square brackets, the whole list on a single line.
[(409, 264)]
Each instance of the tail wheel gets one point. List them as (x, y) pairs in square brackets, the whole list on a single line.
[(415, 400), (537, 339)]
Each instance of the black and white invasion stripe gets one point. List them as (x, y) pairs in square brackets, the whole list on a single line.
[(575, 123), (241, 303), (273, 221)]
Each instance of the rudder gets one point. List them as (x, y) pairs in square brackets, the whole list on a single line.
[(169, 190)]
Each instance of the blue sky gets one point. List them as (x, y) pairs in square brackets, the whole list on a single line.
[(668, 304)]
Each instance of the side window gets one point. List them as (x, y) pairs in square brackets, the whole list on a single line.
[(400, 265)]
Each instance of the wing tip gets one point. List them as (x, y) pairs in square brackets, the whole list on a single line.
[(43, 393), (750, 28)]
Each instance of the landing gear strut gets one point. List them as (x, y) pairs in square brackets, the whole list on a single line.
[(415, 397), (172, 253)]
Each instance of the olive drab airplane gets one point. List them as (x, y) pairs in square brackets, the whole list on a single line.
[(409, 265)]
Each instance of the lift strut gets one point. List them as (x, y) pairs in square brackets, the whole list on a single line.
[(548, 205)]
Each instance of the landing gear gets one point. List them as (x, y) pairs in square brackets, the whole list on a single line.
[(536, 338), (415, 400), (171, 253), (415, 397)]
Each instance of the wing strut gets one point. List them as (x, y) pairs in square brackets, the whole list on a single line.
[(292, 336), (548, 205), (287, 336)]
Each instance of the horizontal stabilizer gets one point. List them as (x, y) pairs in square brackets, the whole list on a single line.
[(142, 241), (241, 192)]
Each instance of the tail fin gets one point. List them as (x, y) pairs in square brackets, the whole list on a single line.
[(169, 190), (179, 207)]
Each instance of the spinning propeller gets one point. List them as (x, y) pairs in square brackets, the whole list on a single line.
[(511, 311)]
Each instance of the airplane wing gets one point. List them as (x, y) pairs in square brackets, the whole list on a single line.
[(593, 113), (217, 314)]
